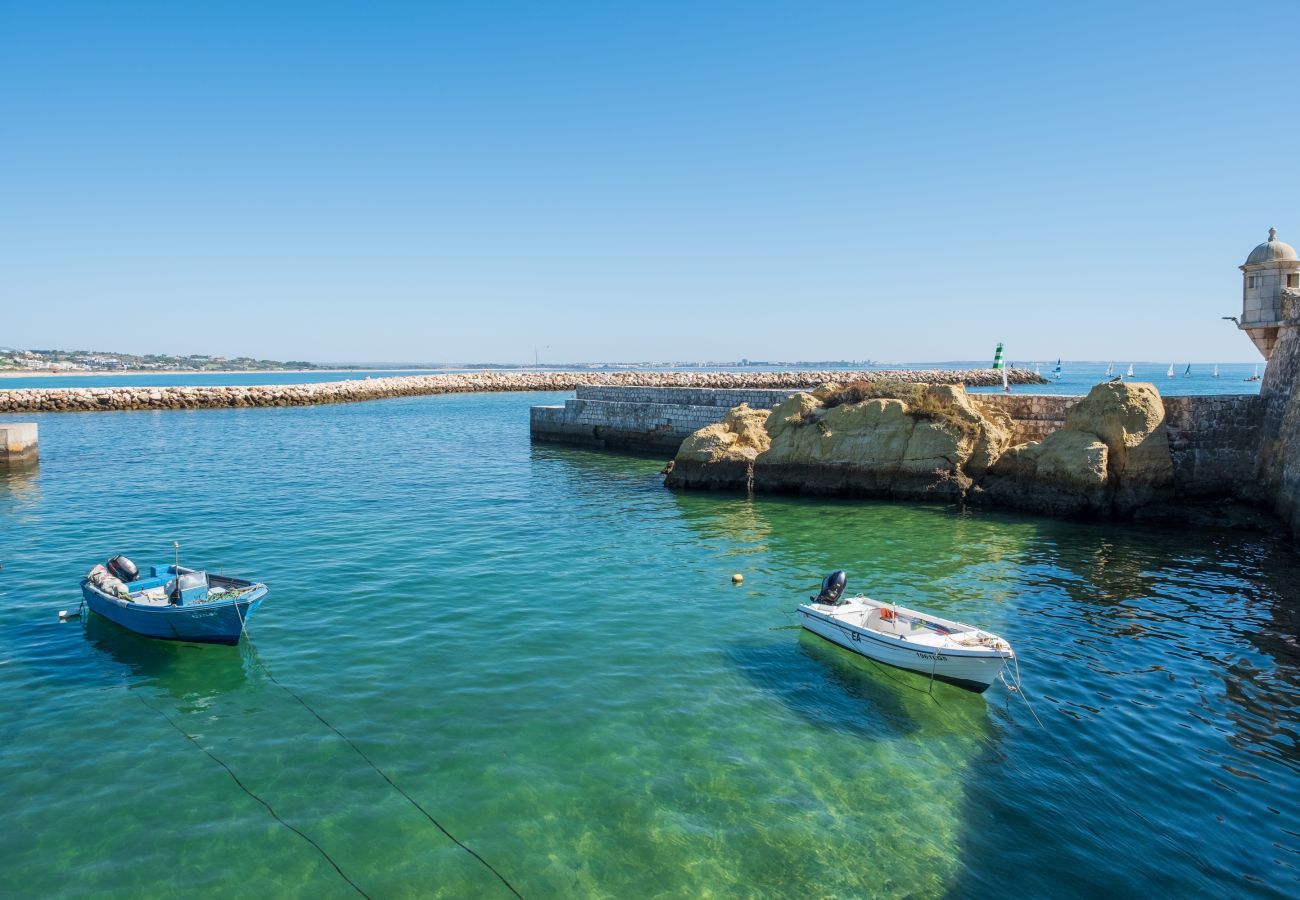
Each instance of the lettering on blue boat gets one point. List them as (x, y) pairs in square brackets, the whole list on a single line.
[(940, 657)]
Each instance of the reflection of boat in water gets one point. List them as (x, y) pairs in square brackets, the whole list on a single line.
[(949, 651), (171, 602), (185, 671)]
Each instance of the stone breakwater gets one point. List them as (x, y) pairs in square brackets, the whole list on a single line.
[(25, 400)]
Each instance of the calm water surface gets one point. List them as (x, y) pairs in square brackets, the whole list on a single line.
[(542, 646)]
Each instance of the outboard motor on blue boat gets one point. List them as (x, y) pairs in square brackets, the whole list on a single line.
[(123, 568), (832, 588)]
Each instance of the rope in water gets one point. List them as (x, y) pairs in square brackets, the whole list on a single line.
[(229, 771), (1015, 687), (409, 799), (1066, 755), (267, 669)]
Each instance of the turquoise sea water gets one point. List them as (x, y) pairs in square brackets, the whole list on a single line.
[(1079, 378), (542, 646)]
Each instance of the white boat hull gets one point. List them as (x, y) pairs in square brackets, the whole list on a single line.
[(971, 668)]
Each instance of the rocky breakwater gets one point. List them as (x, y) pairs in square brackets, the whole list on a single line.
[(191, 397), (1111, 459)]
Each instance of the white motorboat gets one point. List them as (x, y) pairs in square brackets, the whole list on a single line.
[(948, 651)]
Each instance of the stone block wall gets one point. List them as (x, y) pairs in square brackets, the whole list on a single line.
[(18, 444), (1279, 454), (622, 424), (1035, 415), (759, 398), (650, 419), (1214, 443)]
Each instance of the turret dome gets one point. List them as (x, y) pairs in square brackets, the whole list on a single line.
[(1271, 250)]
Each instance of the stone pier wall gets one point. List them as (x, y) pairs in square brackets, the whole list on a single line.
[(1214, 443), (1036, 415), (759, 398), (649, 419), (1213, 440), (18, 444), (1279, 457)]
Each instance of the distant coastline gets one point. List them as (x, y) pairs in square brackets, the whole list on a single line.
[(114, 373)]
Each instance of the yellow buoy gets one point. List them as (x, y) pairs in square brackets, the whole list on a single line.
[(737, 578)]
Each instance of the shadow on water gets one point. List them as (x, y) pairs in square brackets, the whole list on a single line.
[(600, 468), (186, 671), (590, 458), (20, 484), (831, 688)]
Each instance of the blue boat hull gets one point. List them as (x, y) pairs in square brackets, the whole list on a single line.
[(219, 622)]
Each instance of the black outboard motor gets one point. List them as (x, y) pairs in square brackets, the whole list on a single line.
[(123, 568), (832, 588)]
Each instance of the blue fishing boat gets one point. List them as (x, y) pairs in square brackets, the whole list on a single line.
[(171, 602)]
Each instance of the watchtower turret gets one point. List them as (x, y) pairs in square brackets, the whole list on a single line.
[(1270, 291)]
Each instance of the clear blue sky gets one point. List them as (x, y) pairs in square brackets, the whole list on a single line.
[(618, 181)]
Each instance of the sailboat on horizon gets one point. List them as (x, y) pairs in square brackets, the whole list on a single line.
[(1188, 371), (1171, 370), (1216, 370), (1110, 369), (1057, 372), (1130, 371)]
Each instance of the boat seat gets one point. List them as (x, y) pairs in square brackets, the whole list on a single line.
[(156, 595)]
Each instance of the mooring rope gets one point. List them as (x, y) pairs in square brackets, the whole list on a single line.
[(1066, 755), (231, 772), (409, 799)]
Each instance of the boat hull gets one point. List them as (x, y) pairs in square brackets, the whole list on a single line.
[(972, 670), (206, 623)]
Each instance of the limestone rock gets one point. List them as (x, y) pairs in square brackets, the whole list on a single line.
[(721, 455), (827, 389), (1110, 459), (793, 411), (917, 444), (1130, 419), (1066, 474), (740, 435)]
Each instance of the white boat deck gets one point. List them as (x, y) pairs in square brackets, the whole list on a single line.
[(909, 625), (909, 639)]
